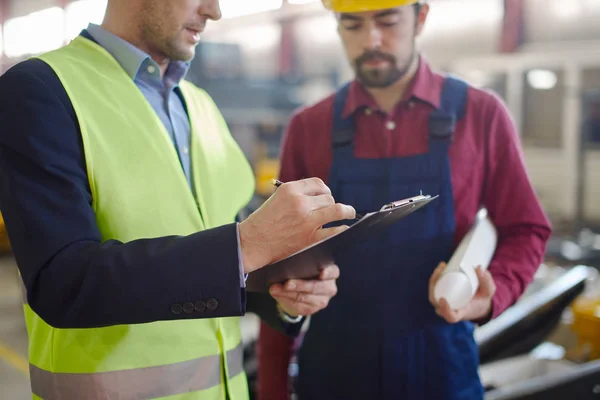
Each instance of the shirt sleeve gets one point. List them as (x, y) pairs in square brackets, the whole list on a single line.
[(73, 278), (243, 276), (511, 201)]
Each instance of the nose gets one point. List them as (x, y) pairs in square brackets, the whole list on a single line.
[(374, 36), (210, 9)]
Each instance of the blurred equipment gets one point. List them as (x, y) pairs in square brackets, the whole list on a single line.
[(528, 323), (561, 382), (586, 325), (518, 365), (583, 248), (256, 110), (4, 243), (266, 160)]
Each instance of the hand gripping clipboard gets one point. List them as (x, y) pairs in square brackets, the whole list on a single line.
[(309, 262)]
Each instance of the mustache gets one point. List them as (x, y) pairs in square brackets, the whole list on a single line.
[(198, 27), (375, 55)]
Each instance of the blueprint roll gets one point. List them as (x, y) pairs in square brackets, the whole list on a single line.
[(458, 283)]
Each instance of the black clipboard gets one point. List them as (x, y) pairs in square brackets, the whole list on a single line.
[(309, 262)]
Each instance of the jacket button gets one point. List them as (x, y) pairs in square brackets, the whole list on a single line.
[(200, 306), (212, 304), (176, 308), (188, 307)]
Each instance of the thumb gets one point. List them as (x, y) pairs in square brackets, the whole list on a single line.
[(487, 287)]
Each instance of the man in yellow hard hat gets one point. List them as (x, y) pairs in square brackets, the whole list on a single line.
[(120, 184), (398, 129)]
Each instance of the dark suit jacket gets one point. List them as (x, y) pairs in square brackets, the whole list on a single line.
[(73, 280)]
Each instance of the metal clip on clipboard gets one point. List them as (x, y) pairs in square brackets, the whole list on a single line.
[(400, 203)]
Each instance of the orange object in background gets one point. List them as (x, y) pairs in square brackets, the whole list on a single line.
[(586, 326), (266, 170), (4, 243)]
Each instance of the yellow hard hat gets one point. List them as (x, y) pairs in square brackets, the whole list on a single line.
[(347, 6)]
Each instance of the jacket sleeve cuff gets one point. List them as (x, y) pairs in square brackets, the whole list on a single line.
[(217, 293)]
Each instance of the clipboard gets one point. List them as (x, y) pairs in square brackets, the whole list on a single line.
[(310, 261)]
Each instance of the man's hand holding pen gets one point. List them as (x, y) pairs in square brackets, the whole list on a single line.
[(290, 220)]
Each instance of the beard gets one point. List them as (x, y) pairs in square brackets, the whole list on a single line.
[(159, 36), (170, 47), (381, 78)]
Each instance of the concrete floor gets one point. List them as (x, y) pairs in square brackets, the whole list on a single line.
[(14, 383)]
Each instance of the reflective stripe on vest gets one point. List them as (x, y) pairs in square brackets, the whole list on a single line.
[(143, 383)]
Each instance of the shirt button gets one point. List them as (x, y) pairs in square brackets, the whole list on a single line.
[(411, 104), (151, 69), (390, 125), (368, 111), (186, 150), (176, 308), (212, 304), (188, 307)]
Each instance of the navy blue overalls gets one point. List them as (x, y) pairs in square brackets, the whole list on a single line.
[(380, 337)]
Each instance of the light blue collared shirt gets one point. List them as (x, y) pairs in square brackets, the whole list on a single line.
[(162, 93)]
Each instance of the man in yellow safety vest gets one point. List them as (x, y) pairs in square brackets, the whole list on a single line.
[(120, 185)]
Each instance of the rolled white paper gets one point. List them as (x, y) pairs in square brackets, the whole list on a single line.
[(458, 283)]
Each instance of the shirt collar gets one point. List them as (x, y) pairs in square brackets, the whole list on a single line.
[(425, 86), (133, 59)]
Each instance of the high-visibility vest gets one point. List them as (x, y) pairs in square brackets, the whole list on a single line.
[(139, 190)]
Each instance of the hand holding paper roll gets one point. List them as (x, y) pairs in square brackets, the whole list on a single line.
[(463, 289), (477, 308)]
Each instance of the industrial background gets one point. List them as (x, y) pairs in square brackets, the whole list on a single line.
[(268, 57)]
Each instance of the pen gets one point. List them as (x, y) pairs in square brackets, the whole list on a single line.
[(277, 183)]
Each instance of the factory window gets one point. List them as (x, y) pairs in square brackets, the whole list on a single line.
[(81, 12), (240, 8), (490, 80), (48, 25), (590, 81), (543, 95), (497, 84)]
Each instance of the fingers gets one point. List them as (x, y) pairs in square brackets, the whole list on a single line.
[(433, 280), (293, 307), (442, 308), (321, 201), (335, 212), (301, 301), (312, 187), (487, 286), (301, 289), (326, 288), (331, 272), (306, 297), (451, 316)]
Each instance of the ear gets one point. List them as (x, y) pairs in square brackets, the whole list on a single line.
[(422, 17), (338, 25)]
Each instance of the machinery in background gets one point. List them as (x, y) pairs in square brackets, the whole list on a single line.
[(516, 362), (4, 243), (256, 110)]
